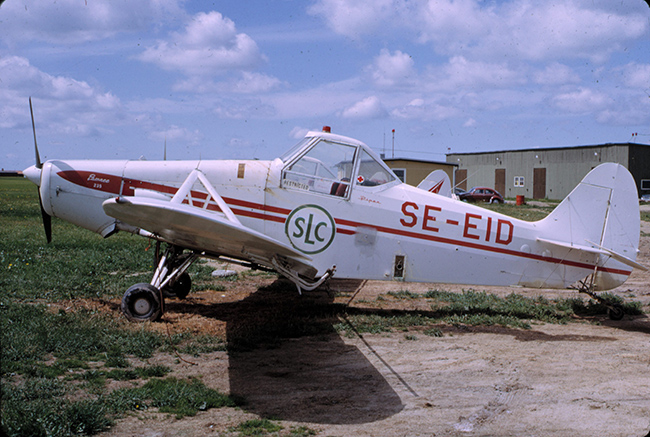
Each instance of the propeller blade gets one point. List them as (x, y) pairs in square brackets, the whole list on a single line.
[(47, 220), (39, 164)]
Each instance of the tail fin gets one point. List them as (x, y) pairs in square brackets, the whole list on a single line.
[(437, 182), (600, 216)]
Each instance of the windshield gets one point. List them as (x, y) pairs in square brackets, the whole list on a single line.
[(326, 168)]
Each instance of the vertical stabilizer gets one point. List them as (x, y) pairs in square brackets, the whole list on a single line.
[(602, 214)]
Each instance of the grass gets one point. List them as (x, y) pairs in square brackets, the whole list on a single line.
[(529, 213), (473, 308), (55, 364)]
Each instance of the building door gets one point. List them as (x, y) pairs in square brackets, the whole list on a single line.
[(539, 183), (461, 179), (500, 181)]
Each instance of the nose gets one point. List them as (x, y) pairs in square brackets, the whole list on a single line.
[(33, 173)]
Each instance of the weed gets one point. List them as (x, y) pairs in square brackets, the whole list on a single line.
[(301, 431), (403, 294), (433, 332), (171, 395), (255, 427)]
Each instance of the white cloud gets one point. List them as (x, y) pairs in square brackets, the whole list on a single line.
[(74, 21), (470, 122), (637, 76), (464, 73), (583, 100), (244, 82), (417, 109), (556, 74), (354, 18), (522, 29), (209, 45), (177, 134), (370, 107), (298, 133), (392, 69), (63, 104)]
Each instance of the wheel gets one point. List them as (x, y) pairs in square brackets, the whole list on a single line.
[(616, 312), (142, 303), (180, 288)]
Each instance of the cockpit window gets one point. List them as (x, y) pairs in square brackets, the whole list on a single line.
[(326, 169), (371, 172)]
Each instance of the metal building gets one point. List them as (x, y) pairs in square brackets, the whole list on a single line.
[(549, 172)]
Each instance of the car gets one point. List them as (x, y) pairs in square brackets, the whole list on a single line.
[(459, 191), (644, 198), (482, 194)]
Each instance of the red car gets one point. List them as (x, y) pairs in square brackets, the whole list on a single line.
[(482, 194)]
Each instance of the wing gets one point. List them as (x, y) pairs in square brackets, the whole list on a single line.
[(213, 232)]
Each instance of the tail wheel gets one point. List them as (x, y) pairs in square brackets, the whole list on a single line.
[(142, 303), (616, 312)]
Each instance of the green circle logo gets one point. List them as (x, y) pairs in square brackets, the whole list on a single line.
[(310, 229)]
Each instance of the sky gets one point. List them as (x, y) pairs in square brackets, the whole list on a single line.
[(221, 79)]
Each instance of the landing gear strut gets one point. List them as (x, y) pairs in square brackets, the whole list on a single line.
[(615, 310), (146, 302)]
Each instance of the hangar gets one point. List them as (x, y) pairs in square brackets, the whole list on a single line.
[(549, 173)]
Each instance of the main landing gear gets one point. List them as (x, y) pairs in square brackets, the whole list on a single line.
[(615, 310), (146, 302)]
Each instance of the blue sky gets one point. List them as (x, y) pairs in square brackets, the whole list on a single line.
[(247, 79)]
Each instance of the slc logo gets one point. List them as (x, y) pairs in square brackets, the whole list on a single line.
[(310, 229)]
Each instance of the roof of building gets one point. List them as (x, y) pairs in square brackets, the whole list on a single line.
[(544, 149), (424, 161)]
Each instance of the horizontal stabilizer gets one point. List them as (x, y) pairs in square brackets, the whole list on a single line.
[(621, 258)]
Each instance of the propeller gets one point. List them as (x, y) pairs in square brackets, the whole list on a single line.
[(47, 220)]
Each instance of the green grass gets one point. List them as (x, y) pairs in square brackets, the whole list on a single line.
[(55, 364), (645, 216), (256, 427), (523, 212), (473, 308)]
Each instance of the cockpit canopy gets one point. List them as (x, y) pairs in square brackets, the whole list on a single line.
[(330, 164)]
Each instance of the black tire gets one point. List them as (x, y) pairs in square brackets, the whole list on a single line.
[(616, 312), (180, 289), (142, 303)]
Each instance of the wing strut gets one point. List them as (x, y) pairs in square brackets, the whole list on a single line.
[(185, 192)]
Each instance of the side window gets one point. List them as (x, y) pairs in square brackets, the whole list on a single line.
[(400, 173), (325, 169), (371, 172)]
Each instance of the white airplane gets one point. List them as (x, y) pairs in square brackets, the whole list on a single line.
[(330, 207)]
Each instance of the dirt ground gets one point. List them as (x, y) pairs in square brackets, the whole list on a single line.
[(585, 378)]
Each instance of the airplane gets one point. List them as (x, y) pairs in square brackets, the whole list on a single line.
[(330, 207)]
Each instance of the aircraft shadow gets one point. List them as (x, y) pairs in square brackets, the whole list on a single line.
[(287, 361)]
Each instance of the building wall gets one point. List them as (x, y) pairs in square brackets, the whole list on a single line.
[(564, 167), (639, 166), (416, 171)]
